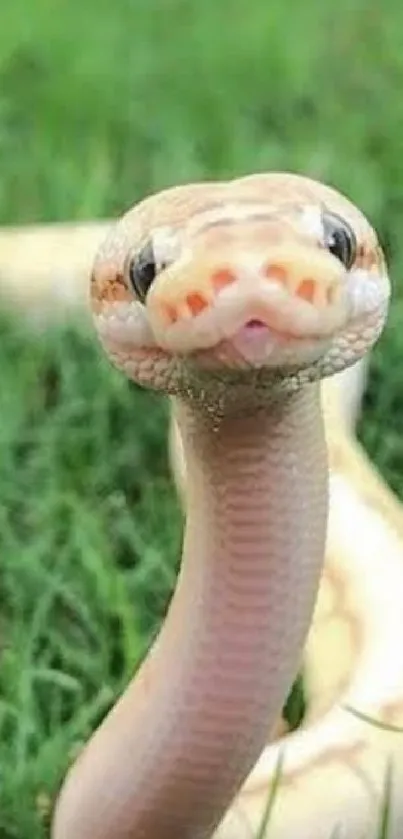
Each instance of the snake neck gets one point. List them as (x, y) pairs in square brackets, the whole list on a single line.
[(171, 755)]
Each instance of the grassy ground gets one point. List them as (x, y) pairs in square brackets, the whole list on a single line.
[(100, 103)]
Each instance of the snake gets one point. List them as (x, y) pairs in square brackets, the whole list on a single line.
[(238, 300)]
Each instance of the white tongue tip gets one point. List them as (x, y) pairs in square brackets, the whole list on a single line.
[(255, 341)]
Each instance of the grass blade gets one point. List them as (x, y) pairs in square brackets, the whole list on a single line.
[(271, 798), (384, 726), (387, 804)]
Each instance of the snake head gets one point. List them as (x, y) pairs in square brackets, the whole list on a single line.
[(271, 273)]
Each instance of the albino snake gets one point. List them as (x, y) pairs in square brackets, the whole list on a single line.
[(236, 299)]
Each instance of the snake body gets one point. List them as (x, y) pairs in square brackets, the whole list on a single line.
[(236, 299)]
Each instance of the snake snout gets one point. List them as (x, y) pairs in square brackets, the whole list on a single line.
[(297, 289)]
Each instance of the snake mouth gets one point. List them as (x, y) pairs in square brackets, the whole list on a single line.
[(256, 343), (256, 329), (255, 332)]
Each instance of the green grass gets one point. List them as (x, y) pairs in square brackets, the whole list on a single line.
[(83, 580), (99, 104)]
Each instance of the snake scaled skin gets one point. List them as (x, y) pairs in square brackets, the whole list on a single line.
[(236, 299)]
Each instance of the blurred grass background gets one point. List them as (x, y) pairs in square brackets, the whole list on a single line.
[(101, 103)]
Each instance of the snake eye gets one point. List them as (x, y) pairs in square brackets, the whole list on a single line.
[(340, 239), (143, 270), (156, 253)]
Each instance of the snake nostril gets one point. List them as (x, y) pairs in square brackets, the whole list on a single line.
[(222, 277), (196, 302), (307, 290)]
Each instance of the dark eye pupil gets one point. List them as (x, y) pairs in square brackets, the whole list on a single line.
[(340, 239), (143, 270)]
